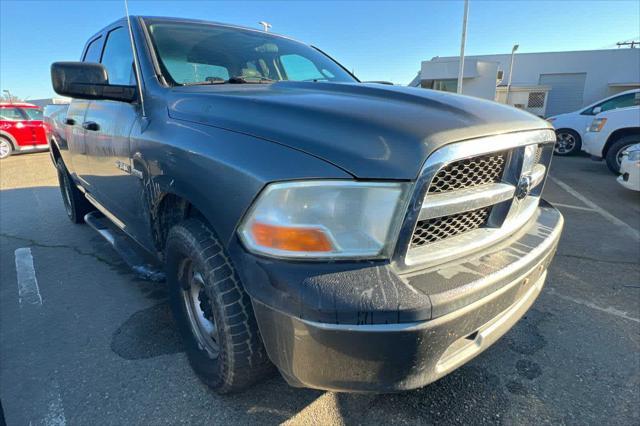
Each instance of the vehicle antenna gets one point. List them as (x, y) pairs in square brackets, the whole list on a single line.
[(136, 65)]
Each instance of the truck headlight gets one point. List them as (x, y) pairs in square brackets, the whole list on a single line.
[(325, 219), (597, 124)]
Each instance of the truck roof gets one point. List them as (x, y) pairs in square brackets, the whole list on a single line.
[(190, 20)]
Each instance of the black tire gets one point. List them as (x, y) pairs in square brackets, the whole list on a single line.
[(568, 142), (614, 153), (6, 148), (75, 204), (197, 264)]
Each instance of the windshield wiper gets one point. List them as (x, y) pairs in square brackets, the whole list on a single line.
[(241, 79), (233, 80)]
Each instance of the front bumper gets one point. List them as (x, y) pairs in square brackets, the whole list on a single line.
[(459, 310), (630, 175), (592, 144)]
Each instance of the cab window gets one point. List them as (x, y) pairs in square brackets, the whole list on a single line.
[(623, 101), (94, 49), (630, 99), (117, 58)]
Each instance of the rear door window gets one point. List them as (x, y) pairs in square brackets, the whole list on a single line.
[(11, 114)]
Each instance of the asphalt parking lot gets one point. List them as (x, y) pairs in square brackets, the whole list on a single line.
[(101, 347)]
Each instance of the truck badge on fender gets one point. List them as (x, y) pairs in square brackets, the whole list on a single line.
[(128, 169)]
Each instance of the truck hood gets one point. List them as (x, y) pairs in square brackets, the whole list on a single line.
[(372, 131)]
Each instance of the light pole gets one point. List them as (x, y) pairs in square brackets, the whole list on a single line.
[(462, 43), (9, 96), (513, 55), (265, 25)]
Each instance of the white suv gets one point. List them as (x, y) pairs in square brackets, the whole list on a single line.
[(571, 127), (610, 133)]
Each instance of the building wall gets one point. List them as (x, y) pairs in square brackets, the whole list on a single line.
[(602, 67), (484, 86), (479, 77), (520, 98)]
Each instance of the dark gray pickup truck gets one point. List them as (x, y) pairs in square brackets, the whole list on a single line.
[(358, 236)]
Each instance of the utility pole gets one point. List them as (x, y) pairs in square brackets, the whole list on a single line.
[(462, 43), (265, 26), (513, 55), (631, 44)]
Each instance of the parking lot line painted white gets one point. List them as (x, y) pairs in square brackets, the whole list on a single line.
[(28, 291), (634, 233), (610, 310), (569, 206)]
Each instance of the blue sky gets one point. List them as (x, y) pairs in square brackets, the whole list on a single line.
[(379, 40)]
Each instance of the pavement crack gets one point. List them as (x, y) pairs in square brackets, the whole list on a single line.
[(33, 243), (593, 259)]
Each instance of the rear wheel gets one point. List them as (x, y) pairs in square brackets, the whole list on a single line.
[(212, 310), (6, 149), (614, 153), (75, 204), (568, 142)]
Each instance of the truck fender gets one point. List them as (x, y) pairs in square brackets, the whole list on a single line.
[(156, 189)]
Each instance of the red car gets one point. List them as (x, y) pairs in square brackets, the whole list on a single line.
[(21, 128)]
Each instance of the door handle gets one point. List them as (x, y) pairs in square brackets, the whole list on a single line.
[(91, 125), (70, 121)]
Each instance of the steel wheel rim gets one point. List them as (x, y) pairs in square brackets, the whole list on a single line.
[(5, 148), (565, 143), (197, 303)]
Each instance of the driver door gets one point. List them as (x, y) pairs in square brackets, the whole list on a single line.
[(115, 183)]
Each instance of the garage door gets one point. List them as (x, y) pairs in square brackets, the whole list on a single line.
[(566, 92)]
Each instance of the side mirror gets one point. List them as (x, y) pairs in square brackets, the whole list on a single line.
[(596, 110), (85, 80)]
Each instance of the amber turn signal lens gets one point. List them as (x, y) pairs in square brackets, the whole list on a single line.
[(290, 239)]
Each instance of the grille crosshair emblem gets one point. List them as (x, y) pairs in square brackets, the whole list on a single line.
[(524, 187)]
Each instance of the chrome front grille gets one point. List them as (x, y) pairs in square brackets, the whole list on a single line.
[(538, 154), (469, 172), (438, 228), (473, 193)]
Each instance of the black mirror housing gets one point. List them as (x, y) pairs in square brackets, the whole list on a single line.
[(85, 80)]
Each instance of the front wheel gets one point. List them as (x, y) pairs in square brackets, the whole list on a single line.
[(212, 310), (568, 142), (614, 153)]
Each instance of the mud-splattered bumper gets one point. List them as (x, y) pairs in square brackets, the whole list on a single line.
[(472, 303)]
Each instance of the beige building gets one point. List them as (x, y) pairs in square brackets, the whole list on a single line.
[(545, 84)]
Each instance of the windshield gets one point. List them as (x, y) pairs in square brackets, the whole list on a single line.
[(206, 54), (33, 113)]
